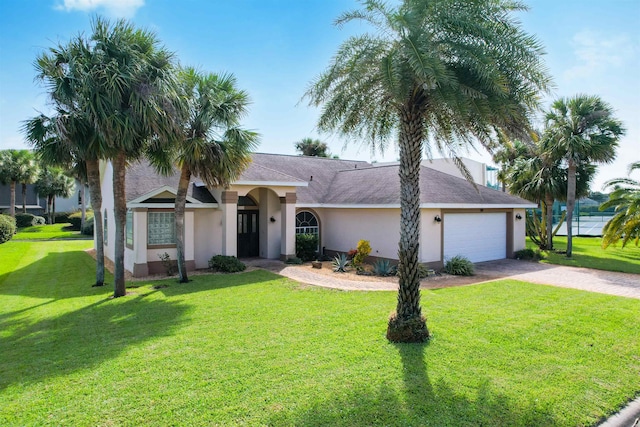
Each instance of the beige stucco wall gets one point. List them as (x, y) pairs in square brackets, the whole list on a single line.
[(519, 230), (269, 206), (106, 175), (431, 236), (475, 168), (208, 235)]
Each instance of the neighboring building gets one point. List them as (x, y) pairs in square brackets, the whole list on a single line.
[(341, 201), (38, 205)]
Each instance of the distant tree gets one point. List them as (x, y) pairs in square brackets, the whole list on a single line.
[(29, 172), (312, 147), (431, 74), (16, 166), (625, 198), (581, 130), (52, 183), (212, 144)]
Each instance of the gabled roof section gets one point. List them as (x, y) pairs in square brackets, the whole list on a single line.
[(142, 180), (163, 192)]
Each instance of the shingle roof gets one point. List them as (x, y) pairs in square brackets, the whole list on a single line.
[(142, 179), (334, 182)]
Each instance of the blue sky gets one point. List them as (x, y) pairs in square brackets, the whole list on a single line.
[(276, 47)]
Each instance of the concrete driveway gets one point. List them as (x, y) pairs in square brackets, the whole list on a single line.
[(606, 282)]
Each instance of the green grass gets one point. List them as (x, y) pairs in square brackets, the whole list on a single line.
[(256, 349), (48, 232), (588, 252)]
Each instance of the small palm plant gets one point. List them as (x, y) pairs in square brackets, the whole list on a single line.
[(340, 263)]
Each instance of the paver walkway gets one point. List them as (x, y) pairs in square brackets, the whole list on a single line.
[(606, 282)]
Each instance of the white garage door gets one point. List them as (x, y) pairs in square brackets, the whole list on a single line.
[(477, 236)]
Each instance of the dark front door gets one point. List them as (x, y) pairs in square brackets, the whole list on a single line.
[(248, 242)]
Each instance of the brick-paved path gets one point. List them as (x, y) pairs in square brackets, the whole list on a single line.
[(606, 282)]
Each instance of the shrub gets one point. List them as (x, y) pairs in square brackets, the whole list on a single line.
[(424, 271), (7, 228), (88, 227), (38, 220), (75, 219), (383, 267), (293, 260), (226, 264), (25, 220), (306, 246), (528, 255), (62, 218), (340, 263), (169, 266), (362, 252), (459, 266), (351, 254)]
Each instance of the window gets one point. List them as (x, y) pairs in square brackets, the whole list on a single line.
[(128, 229), (161, 228), (306, 223), (104, 229)]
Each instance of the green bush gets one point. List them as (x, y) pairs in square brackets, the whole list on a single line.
[(88, 228), (459, 266), (75, 219), (7, 228), (424, 271), (62, 217), (226, 264), (528, 255), (25, 220), (294, 261), (306, 246), (38, 220)]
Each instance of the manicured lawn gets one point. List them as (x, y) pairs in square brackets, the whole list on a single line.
[(588, 252), (48, 232), (257, 349)]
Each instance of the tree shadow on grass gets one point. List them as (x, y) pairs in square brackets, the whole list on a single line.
[(58, 275), (59, 345), (418, 403)]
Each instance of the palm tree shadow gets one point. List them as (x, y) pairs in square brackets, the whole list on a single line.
[(59, 345)]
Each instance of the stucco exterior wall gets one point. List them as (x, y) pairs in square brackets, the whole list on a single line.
[(519, 230), (106, 175), (431, 236), (269, 206), (208, 235), (476, 169)]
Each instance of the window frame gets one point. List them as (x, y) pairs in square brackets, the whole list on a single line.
[(169, 213)]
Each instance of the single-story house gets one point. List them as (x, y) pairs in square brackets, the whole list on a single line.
[(342, 201)]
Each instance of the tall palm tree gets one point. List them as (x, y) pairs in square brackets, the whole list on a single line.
[(29, 171), (312, 147), (123, 84), (68, 140), (212, 146), (625, 198), (433, 73), (581, 130)]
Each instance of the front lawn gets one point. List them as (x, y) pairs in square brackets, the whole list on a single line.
[(49, 232), (257, 349), (588, 252)]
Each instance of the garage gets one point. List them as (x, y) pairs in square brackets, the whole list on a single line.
[(477, 236)]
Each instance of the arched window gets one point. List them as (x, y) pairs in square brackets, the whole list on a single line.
[(307, 223)]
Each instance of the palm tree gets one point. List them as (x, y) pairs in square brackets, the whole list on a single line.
[(435, 73), (29, 172), (67, 140), (123, 84), (14, 169), (212, 145), (312, 147), (581, 130), (625, 197), (53, 182)]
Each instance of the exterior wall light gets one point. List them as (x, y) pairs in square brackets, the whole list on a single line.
[(437, 218), (518, 216), (272, 219)]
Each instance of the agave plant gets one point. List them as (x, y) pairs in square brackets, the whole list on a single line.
[(383, 267), (340, 263)]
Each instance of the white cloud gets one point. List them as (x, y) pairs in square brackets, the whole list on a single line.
[(114, 8), (597, 52)]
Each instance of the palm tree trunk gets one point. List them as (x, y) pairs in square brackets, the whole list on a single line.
[(181, 200), (83, 207), (571, 202), (407, 323), (120, 217), (93, 178), (12, 201), (49, 208), (24, 197), (549, 213), (53, 210)]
